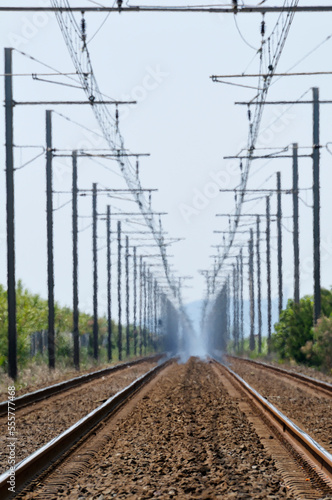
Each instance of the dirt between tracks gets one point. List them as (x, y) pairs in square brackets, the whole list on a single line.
[(39, 423), (307, 408), (186, 438)]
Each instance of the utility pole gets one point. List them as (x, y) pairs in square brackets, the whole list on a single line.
[(237, 305), (95, 271), (119, 294), (268, 272), (50, 255), (140, 303), (259, 284), (127, 297), (135, 300), (11, 285), (279, 228), (316, 191), (109, 283), (155, 295), (144, 307), (234, 305), (296, 225), (251, 292), (75, 266), (148, 305), (316, 203), (241, 302), (227, 308)]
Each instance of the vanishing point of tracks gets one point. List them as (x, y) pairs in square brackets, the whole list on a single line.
[(192, 430)]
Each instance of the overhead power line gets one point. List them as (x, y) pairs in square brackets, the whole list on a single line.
[(76, 40), (270, 52)]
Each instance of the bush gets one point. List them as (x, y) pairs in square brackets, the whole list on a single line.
[(318, 351), (294, 330), (296, 339)]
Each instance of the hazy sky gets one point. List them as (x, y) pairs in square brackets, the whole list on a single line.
[(187, 123)]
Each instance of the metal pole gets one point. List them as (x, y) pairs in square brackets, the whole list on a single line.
[(316, 203), (11, 290), (109, 283), (75, 267), (234, 306), (119, 294), (251, 292), (140, 303), (95, 271), (241, 300), (150, 304), (148, 307), (259, 284), (279, 228), (237, 303), (268, 272), (227, 311), (296, 226), (135, 301), (155, 296), (127, 297), (144, 307), (50, 256)]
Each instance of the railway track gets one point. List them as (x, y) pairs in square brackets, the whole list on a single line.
[(49, 454), (306, 401), (316, 459), (38, 420), (186, 431), (47, 392), (318, 385)]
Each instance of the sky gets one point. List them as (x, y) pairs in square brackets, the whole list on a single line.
[(184, 120)]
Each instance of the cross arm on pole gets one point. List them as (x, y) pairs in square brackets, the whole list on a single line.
[(73, 103)]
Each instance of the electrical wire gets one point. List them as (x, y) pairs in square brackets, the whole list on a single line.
[(236, 84), (85, 228), (100, 27), (305, 203), (242, 37), (305, 57), (30, 161), (279, 33), (78, 124), (60, 73), (108, 123), (44, 80), (61, 206)]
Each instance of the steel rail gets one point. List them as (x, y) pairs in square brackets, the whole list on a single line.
[(47, 392), (319, 459), (311, 382), (32, 466)]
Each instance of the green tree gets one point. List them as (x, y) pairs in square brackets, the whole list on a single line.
[(319, 351), (293, 330)]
